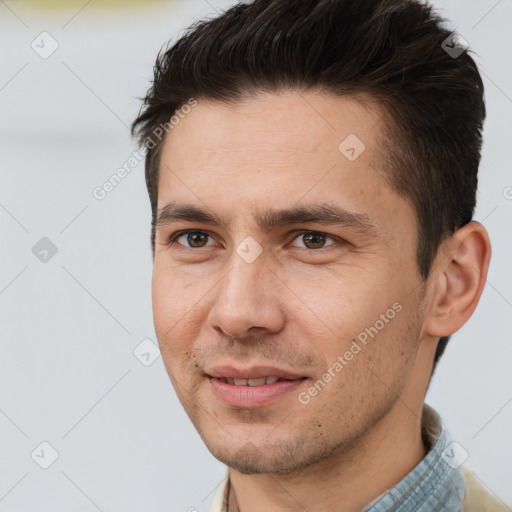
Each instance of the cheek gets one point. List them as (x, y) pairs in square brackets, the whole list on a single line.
[(174, 308), (367, 321), (344, 303)]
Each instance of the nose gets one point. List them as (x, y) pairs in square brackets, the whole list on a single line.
[(248, 300)]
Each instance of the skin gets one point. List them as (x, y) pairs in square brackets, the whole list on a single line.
[(298, 306)]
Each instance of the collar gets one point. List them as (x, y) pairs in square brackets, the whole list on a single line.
[(436, 483)]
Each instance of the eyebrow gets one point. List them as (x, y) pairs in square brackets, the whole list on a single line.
[(324, 213)]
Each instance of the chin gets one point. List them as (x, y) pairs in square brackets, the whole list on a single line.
[(286, 456)]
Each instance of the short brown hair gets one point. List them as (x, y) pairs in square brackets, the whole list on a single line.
[(392, 51)]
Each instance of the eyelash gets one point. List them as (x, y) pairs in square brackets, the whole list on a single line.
[(172, 238)]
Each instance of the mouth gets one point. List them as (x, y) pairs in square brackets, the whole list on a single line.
[(262, 381), (252, 387)]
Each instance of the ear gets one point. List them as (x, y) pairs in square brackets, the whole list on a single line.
[(458, 279)]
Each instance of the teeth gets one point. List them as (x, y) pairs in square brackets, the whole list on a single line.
[(251, 382), (256, 382)]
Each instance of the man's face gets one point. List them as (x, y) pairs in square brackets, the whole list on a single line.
[(291, 297)]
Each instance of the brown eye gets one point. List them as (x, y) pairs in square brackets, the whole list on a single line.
[(193, 239), (197, 239), (313, 239)]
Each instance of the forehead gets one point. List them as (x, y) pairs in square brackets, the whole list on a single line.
[(279, 149), (277, 124)]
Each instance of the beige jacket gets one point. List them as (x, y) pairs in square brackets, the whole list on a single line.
[(479, 499)]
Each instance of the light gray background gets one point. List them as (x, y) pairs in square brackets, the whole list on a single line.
[(68, 374)]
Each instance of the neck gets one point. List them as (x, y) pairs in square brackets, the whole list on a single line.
[(345, 482)]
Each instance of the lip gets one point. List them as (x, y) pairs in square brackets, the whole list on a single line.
[(253, 372), (248, 397)]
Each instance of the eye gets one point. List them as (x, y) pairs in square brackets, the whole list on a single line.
[(314, 239), (194, 239)]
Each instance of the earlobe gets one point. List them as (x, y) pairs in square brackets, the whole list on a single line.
[(460, 275)]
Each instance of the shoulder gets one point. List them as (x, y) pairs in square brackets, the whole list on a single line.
[(478, 499)]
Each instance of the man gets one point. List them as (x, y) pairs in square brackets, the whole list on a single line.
[(312, 171)]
